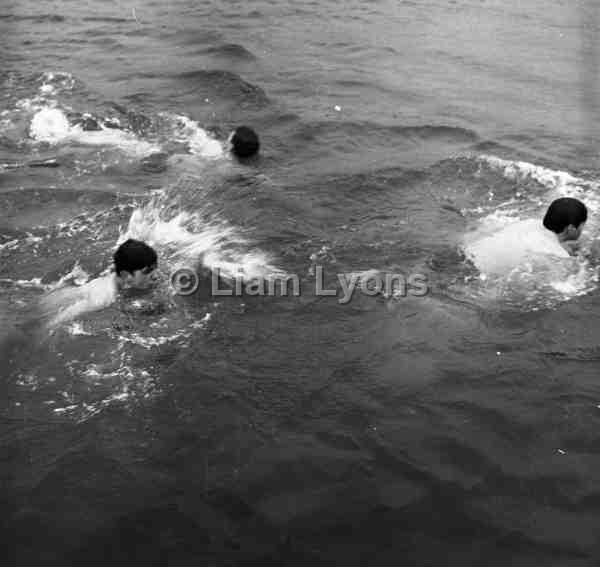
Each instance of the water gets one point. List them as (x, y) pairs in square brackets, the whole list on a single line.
[(454, 428)]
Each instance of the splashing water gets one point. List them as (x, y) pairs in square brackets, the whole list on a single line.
[(194, 237), (185, 130)]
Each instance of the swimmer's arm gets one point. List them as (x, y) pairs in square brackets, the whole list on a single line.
[(68, 314), (68, 303)]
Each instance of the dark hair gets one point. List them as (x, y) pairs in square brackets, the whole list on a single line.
[(564, 212), (245, 142), (134, 255)]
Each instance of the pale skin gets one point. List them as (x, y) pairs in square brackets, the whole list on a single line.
[(70, 302), (569, 236)]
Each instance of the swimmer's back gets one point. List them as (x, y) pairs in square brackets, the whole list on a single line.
[(512, 246)]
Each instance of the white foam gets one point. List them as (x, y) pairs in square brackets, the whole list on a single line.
[(50, 124), (66, 409), (579, 282), (26, 104), (148, 342), (518, 170), (188, 131), (77, 329), (10, 245), (34, 283), (6, 125), (125, 381), (559, 183), (54, 81)]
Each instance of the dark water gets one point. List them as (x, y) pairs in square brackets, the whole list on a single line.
[(451, 429)]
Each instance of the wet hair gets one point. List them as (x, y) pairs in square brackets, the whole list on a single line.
[(245, 142), (134, 255), (564, 212)]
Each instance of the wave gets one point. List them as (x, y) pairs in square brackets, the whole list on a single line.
[(120, 380), (36, 18), (429, 131), (557, 183), (424, 132), (519, 170), (491, 147), (230, 51), (225, 83), (21, 198), (106, 19)]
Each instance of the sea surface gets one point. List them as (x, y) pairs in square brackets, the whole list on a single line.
[(459, 427)]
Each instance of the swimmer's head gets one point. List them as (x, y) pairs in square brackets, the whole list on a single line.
[(135, 264), (244, 142), (566, 217)]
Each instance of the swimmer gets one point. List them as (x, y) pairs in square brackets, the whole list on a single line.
[(134, 268), (555, 236), (566, 217), (244, 142)]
